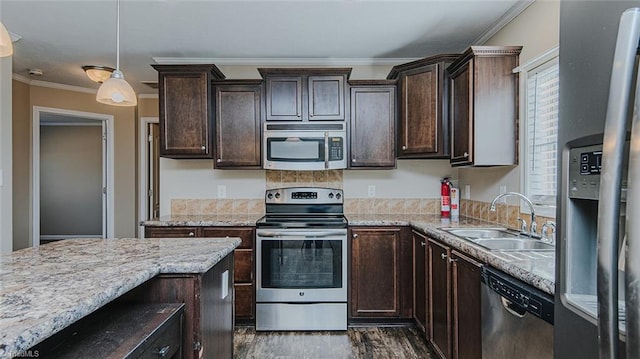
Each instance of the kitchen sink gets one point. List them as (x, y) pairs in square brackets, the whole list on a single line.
[(500, 239), (514, 244), (469, 233)]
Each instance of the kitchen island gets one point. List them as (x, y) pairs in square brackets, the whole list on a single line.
[(46, 289)]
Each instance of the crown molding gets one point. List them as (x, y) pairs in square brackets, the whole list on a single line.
[(21, 78), (505, 19), (292, 61), (58, 86)]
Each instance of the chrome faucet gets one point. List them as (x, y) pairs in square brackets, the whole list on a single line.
[(532, 230), (551, 239)]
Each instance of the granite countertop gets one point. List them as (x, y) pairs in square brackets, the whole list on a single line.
[(534, 268), (219, 220), (45, 289)]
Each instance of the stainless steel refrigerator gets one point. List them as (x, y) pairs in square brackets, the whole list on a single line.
[(598, 214)]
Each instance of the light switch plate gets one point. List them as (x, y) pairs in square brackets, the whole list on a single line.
[(467, 191), (225, 284)]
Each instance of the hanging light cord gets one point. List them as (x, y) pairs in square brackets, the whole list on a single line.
[(118, 35)]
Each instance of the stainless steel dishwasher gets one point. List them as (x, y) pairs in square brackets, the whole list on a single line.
[(517, 319)]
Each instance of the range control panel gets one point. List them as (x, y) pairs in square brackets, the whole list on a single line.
[(585, 165)]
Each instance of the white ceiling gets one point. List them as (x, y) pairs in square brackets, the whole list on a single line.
[(59, 37)]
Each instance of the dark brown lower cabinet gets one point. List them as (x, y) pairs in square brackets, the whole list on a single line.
[(381, 274), (447, 284), (208, 311), (244, 260), (439, 280), (420, 298), (467, 338)]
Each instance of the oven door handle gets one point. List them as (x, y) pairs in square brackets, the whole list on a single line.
[(305, 234)]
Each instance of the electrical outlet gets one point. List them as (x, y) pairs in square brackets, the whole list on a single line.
[(467, 191), (222, 191), (371, 191)]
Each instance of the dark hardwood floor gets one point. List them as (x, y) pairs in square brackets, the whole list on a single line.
[(359, 342)]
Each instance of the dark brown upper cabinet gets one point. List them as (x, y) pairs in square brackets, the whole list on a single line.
[(373, 118), (423, 127), (185, 110), (305, 94), (484, 106), (238, 114)]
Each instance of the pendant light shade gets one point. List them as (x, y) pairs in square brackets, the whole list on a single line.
[(6, 47), (116, 90)]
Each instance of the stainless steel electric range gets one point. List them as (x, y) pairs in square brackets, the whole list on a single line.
[(301, 261)]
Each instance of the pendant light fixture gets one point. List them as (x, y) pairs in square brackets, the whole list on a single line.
[(6, 47), (116, 90)]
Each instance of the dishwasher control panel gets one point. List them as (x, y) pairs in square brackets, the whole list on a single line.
[(519, 293)]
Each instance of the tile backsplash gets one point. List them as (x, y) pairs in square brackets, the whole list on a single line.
[(181, 207), (328, 179)]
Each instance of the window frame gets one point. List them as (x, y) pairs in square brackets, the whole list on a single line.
[(538, 64)]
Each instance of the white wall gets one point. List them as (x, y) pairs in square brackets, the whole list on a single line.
[(6, 152), (537, 30), (412, 179)]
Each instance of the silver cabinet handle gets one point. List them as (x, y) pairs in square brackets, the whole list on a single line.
[(162, 352), (219, 160), (355, 235), (204, 148), (404, 148), (622, 76), (443, 256), (192, 234), (353, 160), (465, 155), (422, 243), (453, 260)]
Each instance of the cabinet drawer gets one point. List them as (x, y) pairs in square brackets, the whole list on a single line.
[(171, 232), (120, 330), (244, 300), (167, 343), (246, 234), (243, 266)]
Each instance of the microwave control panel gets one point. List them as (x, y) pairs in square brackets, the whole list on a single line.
[(336, 148), (585, 165)]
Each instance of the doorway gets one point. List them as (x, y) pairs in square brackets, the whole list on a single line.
[(149, 172), (72, 175)]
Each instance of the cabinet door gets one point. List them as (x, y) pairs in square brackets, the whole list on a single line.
[(439, 281), (420, 282), (238, 113), (326, 98), (185, 130), (467, 335), (375, 272), (171, 232), (421, 113), (462, 115), (284, 98), (373, 115)]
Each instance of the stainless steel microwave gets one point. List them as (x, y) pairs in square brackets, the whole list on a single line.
[(304, 146)]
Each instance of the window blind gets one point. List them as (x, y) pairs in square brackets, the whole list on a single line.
[(542, 134)]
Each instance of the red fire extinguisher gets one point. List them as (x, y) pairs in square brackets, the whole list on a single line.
[(445, 198)]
